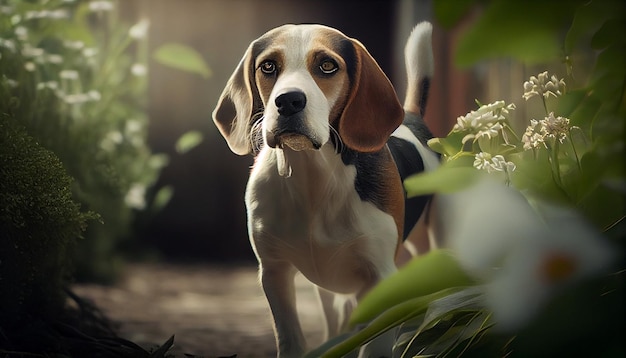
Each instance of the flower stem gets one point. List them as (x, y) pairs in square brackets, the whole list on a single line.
[(580, 168)]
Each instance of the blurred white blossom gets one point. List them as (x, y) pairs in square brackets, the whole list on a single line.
[(30, 66), (74, 45), (8, 44), (54, 58), (21, 33), (524, 253), (53, 85), (111, 140), (135, 198), (101, 6), (140, 29), (47, 14), (139, 70), (69, 74)]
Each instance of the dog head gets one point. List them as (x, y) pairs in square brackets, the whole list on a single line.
[(298, 83)]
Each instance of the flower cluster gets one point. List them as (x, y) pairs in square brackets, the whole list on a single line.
[(551, 127), (496, 163), (543, 86), (487, 121), (486, 134)]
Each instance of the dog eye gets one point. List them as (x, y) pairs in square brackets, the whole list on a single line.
[(268, 67), (329, 66)]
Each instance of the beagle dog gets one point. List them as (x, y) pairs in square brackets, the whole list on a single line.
[(332, 144)]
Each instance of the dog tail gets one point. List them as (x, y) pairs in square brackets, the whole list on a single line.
[(420, 67)]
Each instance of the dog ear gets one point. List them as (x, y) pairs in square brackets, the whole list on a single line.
[(237, 104), (372, 111)]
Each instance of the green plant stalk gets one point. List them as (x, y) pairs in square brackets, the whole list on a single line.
[(569, 132)]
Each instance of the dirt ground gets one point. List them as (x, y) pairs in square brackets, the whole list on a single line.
[(213, 310)]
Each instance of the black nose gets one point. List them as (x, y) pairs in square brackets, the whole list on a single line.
[(291, 102)]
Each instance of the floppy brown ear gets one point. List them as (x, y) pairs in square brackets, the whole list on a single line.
[(372, 111), (237, 104)]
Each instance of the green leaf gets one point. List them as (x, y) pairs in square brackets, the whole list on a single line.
[(398, 313), (449, 13), (606, 34), (516, 29), (416, 279), (588, 18), (446, 179), (188, 141), (182, 57), (448, 146), (162, 197)]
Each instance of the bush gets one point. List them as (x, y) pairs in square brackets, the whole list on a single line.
[(75, 78), (39, 222)]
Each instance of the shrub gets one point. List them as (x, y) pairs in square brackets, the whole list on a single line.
[(39, 222), (75, 77)]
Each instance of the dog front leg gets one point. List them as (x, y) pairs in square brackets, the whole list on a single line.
[(277, 280)]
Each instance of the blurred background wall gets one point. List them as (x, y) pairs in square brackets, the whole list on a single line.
[(205, 218)]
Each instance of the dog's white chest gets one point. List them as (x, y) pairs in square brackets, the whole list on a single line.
[(316, 220)]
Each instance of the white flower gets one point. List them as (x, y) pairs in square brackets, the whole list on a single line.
[(556, 127), (563, 250), (69, 74), (94, 95), (8, 44), (533, 137), (100, 6), (490, 130), (135, 198), (111, 140), (54, 58), (47, 14), (53, 85), (29, 51), (11, 82), (133, 127), (89, 52), (541, 85), (139, 70), (139, 30), (500, 164), (6, 9), (522, 254), (73, 45), (482, 161), (486, 120), (489, 163), (21, 32), (30, 66), (549, 127), (77, 98)]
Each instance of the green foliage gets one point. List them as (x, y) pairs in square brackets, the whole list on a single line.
[(415, 280), (39, 225), (183, 58), (75, 77), (188, 141), (576, 160)]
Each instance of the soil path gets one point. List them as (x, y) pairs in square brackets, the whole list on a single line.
[(212, 310)]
